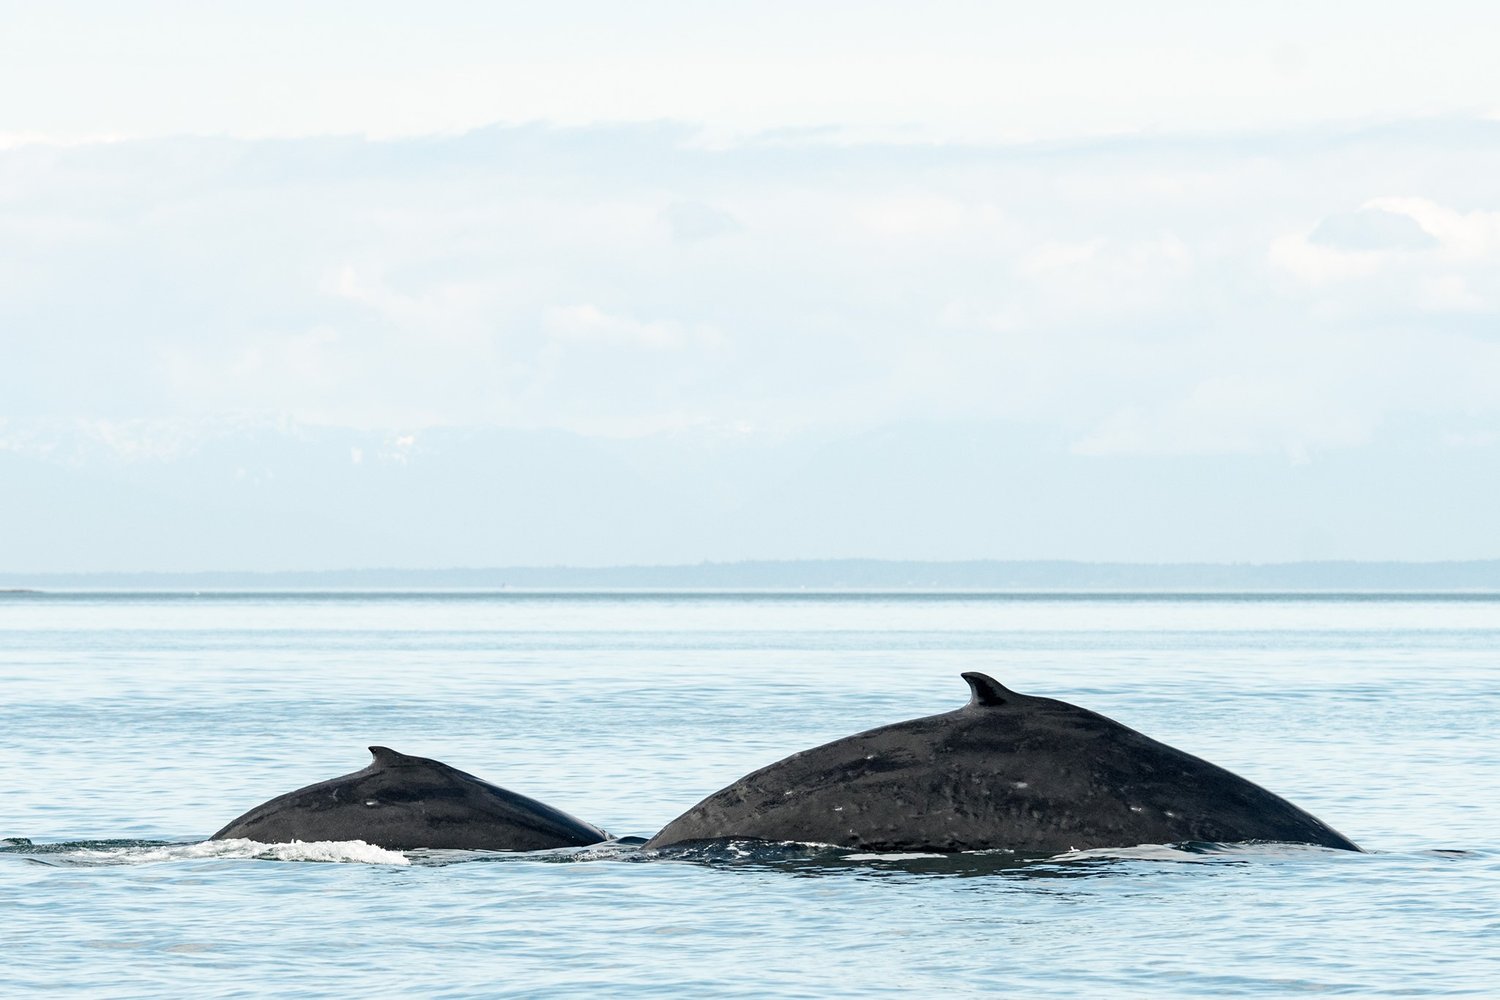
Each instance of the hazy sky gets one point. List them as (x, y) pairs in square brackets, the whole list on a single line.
[(941, 70), (1182, 232)]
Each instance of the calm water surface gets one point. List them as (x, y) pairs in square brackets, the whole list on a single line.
[(131, 726)]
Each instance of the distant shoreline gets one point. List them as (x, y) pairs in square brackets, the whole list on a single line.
[(824, 576), (752, 596)]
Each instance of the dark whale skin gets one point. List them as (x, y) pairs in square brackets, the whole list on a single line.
[(404, 803), (1007, 771)]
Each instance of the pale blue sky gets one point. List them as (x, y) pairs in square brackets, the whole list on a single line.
[(724, 248)]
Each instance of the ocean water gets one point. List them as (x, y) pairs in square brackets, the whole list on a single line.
[(133, 725)]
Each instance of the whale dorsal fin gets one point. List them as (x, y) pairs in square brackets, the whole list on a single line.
[(986, 691), (386, 757)]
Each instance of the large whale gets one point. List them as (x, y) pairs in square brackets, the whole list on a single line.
[(1007, 771), (403, 803)]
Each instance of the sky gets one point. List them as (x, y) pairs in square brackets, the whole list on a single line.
[(299, 286)]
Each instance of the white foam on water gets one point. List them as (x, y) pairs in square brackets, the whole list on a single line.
[(1143, 852), (1259, 850), (338, 851), (892, 857), (1140, 852)]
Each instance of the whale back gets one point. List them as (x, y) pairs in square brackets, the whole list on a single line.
[(400, 802), (1006, 771)]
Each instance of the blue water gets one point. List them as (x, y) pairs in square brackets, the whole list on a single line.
[(131, 726)]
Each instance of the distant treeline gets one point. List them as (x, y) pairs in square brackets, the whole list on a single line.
[(829, 574)]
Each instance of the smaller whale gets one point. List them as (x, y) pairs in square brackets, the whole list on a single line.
[(404, 803), (1007, 771)]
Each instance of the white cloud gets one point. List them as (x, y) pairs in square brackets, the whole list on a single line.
[(587, 324), (15, 140), (914, 216), (1235, 414), (1305, 392), (1451, 292), (1395, 257), (1165, 291), (1316, 264), (1463, 235), (1054, 255), (693, 221)]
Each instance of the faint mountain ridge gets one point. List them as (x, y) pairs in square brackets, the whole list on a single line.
[(273, 496)]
